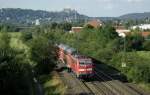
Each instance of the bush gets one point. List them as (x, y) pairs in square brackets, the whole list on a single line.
[(43, 54), (146, 45), (26, 36), (15, 78), (138, 68)]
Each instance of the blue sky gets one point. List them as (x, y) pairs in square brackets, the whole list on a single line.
[(87, 7)]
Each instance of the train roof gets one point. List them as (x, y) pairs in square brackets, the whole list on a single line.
[(67, 48), (63, 46), (71, 50)]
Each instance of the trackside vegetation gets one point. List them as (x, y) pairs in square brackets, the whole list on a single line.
[(24, 58), (30, 54), (105, 45), (15, 76)]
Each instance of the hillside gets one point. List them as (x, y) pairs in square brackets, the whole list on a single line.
[(136, 16), (28, 16), (31, 17)]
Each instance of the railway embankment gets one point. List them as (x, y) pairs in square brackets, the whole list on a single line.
[(101, 84)]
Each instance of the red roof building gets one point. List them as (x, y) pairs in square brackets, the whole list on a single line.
[(145, 34), (95, 23)]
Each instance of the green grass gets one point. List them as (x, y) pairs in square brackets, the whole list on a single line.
[(144, 54), (53, 85), (146, 87)]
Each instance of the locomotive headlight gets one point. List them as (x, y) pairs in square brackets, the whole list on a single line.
[(89, 69), (82, 70)]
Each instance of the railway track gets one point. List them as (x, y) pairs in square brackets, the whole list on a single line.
[(104, 85), (89, 88), (137, 89), (108, 85), (84, 86), (114, 85), (103, 89), (95, 87)]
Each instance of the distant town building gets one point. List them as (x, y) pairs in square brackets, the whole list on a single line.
[(122, 29), (37, 22), (145, 34), (95, 23), (76, 29), (142, 26), (7, 18)]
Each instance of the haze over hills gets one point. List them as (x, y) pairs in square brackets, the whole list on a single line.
[(28, 16)]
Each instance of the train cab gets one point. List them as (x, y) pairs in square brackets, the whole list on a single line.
[(84, 66)]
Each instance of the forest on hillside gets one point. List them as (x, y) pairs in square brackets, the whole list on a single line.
[(29, 17)]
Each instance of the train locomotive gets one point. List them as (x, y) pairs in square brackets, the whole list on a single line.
[(81, 65)]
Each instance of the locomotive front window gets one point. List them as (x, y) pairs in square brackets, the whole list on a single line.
[(85, 63), (82, 63)]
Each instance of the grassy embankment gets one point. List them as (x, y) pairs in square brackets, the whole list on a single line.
[(52, 84), (144, 54)]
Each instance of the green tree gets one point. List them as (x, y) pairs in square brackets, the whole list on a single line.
[(15, 78), (43, 54), (146, 45), (26, 36)]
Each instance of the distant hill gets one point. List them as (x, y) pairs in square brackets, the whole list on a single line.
[(136, 16), (28, 16), (31, 17)]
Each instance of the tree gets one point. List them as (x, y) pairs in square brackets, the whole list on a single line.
[(15, 78), (65, 26), (88, 26), (146, 45), (26, 36), (109, 32), (43, 54)]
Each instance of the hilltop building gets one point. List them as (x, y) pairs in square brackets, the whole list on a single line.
[(69, 10)]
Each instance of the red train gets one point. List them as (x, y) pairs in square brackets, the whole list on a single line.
[(81, 65)]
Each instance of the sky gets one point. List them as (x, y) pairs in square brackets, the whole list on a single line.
[(94, 8)]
